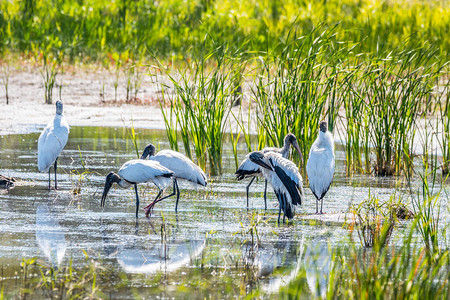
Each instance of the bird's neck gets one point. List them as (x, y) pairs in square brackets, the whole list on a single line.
[(285, 150), (325, 140)]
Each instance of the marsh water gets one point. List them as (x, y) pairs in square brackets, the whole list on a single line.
[(213, 247)]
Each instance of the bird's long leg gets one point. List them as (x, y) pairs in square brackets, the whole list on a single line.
[(137, 200), (49, 187), (279, 214), (279, 207), (317, 206), (173, 192), (321, 204), (148, 208), (175, 185), (265, 194), (248, 187), (55, 167)]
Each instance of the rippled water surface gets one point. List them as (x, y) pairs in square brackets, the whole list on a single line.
[(208, 249)]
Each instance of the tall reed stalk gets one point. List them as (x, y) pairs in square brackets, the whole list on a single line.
[(292, 89), (202, 103), (395, 86)]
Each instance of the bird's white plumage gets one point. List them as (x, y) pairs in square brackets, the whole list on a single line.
[(181, 166), (291, 170), (52, 141), (139, 171), (320, 165)]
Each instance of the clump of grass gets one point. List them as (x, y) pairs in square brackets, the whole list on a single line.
[(39, 280), (202, 102), (294, 96), (374, 222), (395, 86), (49, 54)]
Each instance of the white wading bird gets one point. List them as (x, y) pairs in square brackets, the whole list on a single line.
[(180, 165), (52, 141), (320, 165), (285, 179), (138, 171), (250, 169)]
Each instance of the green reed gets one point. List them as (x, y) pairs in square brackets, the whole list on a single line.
[(292, 90), (355, 123), (395, 87), (443, 127), (202, 103)]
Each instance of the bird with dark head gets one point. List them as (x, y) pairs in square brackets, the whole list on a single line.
[(182, 167), (138, 171), (6, 182), (249, 169), (320, 165), (110, 179), (285, 179)]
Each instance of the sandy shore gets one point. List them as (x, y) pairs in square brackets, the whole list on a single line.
[(88, 97)]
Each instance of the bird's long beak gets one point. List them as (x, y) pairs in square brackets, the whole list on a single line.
[(108, 185), (297, 147), (263, 164)]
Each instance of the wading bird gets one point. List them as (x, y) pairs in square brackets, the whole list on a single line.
[(138, 171), (6, 182), (320, 165), (285, 179), (52, 141), (248, 169), (180, 165)]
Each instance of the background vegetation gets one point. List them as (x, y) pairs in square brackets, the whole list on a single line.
[(87, 30)]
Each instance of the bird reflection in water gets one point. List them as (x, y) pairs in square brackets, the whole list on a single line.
[(275, 264), (137, 255), (50, 235)]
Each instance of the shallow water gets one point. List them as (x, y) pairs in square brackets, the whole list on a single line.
[(207, 249)]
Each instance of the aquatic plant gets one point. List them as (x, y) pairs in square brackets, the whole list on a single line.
[(443, 126), (202, 103), (374, 221), (294, 98), (395, 86)]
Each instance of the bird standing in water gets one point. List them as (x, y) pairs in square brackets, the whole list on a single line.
[(182, 167), (285, 179), (138, 171), (249, 169), (320, 165), (52, 141)]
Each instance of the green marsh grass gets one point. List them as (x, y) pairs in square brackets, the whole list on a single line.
[(395, 86), (443, 127), (292, 90), (90, 30), (374, 221), (202, 102)]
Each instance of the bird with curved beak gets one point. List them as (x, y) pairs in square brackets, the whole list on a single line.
[(138, 171), (285, 179), (249, 169), (182, 167)]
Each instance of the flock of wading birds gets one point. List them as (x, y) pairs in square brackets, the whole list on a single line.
[(167, 166)]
